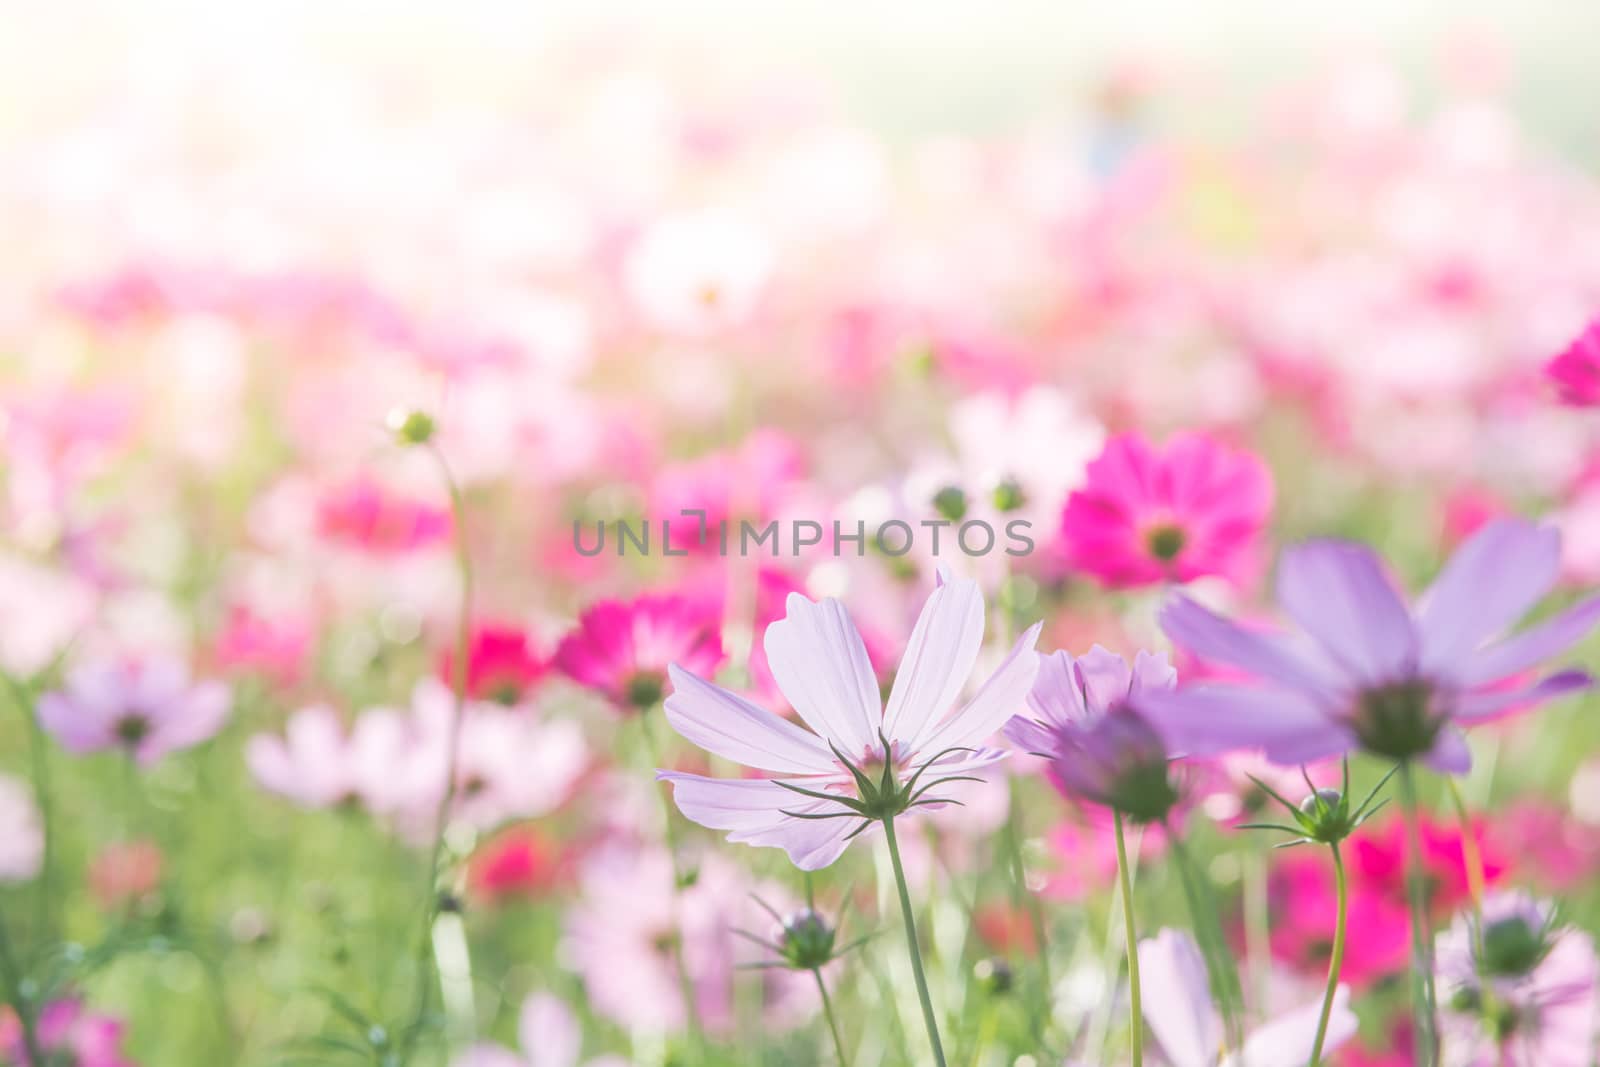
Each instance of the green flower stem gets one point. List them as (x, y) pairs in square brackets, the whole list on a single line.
[(1422, 991), (833, 1024), (458, 685), (1131, 933), (1336, 959), (911, 942), (19, 1000)]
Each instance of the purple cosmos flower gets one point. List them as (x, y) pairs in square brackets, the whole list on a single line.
[(863, 761), (147, 708), (1178, 1009), (1087, 725), (1368, 672)]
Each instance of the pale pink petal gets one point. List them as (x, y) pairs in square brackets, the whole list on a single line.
[(938, 659), (1286, 1041), (549, 1033), (1107, 679), (1177, 999), (993, 705), (820, 663), (756, 812), (732, 727), (1449, 754)]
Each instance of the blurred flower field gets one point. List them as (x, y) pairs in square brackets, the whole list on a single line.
[(639, 566)]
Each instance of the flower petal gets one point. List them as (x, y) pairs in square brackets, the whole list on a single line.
[(1178, 999), (1532, 646), (1213, 637), (755, 810), (938, 659), (548, 1032), (1488, 585), (1487, 704), (995, 703), (1056, 697), (732, 727), (1449, 754), (820, 663), (1338, 593), (1213, 719), (1286, 1041)]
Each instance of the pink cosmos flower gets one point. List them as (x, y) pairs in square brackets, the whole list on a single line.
[(1370, 672), (502, 663), (365, 516), (549, 1034), (1147, 515), (821, 666), (146, 708), (1178, 1009), (619, 938), (317, 764), (124, 873), (1576, 371), (1086, 723), (69, 1032), (1546, 982), (623, 649)]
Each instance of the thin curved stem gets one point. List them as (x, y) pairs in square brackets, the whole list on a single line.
[(833, 1024), (911, 942), (1472, 859), (1131, 934), (670, 833), (1422, 990), (458, 686), (1336, 959), (1023, 897)]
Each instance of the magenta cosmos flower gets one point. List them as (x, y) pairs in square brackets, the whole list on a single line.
[(68, 1033), (1099, 747), (147, 708), (622, 649), (1576, 371), (1147, 515), (860, 762), (1368, 671)]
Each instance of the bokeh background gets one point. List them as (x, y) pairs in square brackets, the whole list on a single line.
[(817, 261)]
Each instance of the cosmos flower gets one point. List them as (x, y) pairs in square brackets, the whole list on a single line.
[(859, 762), (502, 664), (1086, 723), (696, 274), (549, 1035), (1544, 976), (1179, 1011), (317, 764), (1172, 514), (1370, 672), (145, 708), (622, 935), (622, 649), (1576, 371), (67, 1032)]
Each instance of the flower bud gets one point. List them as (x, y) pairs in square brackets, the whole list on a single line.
[(951, 503), (994, 975), (411, 426), (806, 940)]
